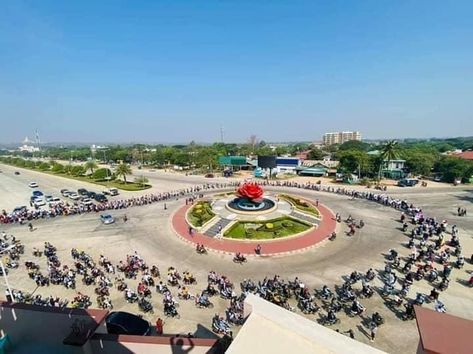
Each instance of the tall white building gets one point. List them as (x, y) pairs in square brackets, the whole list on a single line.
[(340, 137)]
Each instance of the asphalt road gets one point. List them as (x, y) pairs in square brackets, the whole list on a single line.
[(149, 233)]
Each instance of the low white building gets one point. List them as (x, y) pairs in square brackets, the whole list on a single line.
[(28, 147), (271, 329)]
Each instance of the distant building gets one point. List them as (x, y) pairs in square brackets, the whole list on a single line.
[(340, 137), (28, 146), (394, 169), (465, 155), (318, 168)]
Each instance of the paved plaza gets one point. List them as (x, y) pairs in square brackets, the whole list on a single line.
[(149, 232)]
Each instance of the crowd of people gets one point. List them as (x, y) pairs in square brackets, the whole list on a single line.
[(24, 214), (430, 258)]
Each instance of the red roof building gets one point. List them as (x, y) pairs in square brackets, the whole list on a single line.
[(441, 333), (465, 155)]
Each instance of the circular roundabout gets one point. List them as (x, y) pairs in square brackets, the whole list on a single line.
[(248, 218)]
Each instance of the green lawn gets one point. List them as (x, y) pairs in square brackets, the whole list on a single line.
[(129, 186), (200, 213), (262, 230), (300, 204)]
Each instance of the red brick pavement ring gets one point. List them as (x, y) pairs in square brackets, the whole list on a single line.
[(281, 246)]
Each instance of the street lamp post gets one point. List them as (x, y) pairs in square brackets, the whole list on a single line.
[(5, 273)]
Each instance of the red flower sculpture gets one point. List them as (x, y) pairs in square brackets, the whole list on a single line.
[(251, 191)]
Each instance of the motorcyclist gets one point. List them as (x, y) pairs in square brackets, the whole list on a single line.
[(326, 292), (434, 294), (331, 317), (367, 290), (377, 318), (460, 262), (356, 307), (440, 306)]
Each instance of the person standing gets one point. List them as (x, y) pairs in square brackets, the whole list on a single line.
[(373, 330), (159, 326)]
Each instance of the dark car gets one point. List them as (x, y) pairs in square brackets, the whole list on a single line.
[(407, 182), (37, 194), (120, 322), (19, 209), (17, 173), (82, 191), (91, 195), (100, 198)]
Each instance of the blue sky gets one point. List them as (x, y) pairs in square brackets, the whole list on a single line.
[(174, 71)]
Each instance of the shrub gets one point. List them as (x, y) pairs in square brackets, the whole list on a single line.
[(102, 174), (77, 171), (44, 166)]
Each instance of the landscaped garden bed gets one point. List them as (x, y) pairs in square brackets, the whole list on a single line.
[(200, 214), (270, 229), (301, 204)]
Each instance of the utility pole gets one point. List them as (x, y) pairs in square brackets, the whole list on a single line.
[(222, 135)]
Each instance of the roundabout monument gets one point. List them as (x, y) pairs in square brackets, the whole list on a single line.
[(240, 220)]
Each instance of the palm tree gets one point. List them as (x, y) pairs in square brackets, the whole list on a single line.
[(388, 152), (90, 165), (123, 170)]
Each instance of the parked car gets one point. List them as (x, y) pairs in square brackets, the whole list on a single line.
[(110, 191), (39, 202), (82, 191), (107, 219), (19, 209), (37, 194), (49, 198), (54, 201), (407, 182), (65, 192), (121, 322), (33, 185), (438, 179), (91, 195), (17, 173), (87, 201), (74, 196), (100, 198)]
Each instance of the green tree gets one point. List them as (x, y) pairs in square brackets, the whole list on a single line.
[(419, 163), (123, 170), (57, 168), (77, 170), (90, 165), (354, 161), (354, 145), (452, 167), (44, 166), (102, 174), (316, 154)]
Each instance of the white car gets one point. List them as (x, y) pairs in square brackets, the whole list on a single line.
[(87, 201), (110, 191), (33, 185), (49, 198), (39, 202), (55, 201), (107, 219), (74, 196)]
